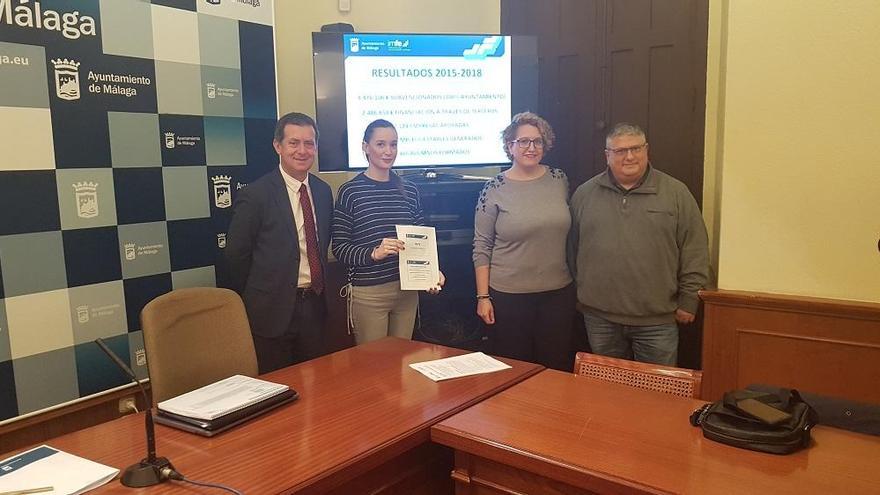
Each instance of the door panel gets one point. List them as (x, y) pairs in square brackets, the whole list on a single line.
[(607, 61), (656, 74), (567, 34)]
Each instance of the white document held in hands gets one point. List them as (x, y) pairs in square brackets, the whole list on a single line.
[(220, 398), (419, 268), (475, 363), (66, 473)]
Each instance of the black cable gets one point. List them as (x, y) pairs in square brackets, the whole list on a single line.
[(174, 475), (211, 485)]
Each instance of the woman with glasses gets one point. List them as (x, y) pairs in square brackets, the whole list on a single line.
[(525, 293), (364, 237)]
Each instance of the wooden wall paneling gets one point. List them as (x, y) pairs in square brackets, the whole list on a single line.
[(817, 345), (66, 419)]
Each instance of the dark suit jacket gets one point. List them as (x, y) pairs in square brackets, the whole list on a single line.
[(262, 249)]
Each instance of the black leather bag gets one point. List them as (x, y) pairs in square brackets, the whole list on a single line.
[(726, 422)]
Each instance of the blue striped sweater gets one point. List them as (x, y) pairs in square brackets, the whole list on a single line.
[(366, 212)]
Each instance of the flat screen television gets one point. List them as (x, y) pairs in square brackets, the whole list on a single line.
[(448, 95)]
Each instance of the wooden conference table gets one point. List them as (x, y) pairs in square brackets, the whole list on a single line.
[(559, 433), (361, 425)]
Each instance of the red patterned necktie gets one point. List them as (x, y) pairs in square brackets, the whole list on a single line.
[(311, 240)]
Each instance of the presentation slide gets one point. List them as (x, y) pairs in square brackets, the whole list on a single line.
[(447, 95)]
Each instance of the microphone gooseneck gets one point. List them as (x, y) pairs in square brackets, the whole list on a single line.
[(151, 470)]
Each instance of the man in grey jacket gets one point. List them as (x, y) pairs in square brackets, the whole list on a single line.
[(640, 253)]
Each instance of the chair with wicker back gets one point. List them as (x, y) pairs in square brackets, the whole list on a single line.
[(676, 381), (194, 337)]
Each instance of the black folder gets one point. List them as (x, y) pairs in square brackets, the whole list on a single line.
[(209, 428)]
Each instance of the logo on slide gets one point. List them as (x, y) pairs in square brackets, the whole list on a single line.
[(86, 199), (354, 45), (169, 140), (488, 47), (222, 191), (66, 79), (221, 240), (212, 90), (397, 45)]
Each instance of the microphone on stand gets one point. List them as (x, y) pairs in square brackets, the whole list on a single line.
[(151, 470)]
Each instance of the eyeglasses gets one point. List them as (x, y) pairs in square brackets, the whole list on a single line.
[(622, 152), (525, 143)]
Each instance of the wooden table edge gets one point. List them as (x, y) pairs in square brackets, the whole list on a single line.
[(526, 460), (398, 445)]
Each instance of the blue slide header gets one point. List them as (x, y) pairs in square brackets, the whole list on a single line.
[(469, 47)]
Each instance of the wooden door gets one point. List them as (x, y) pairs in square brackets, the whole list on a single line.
[(607, 61), (569, 35), (654, 73)]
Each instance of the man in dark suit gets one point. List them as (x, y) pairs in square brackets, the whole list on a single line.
[(276, 250)]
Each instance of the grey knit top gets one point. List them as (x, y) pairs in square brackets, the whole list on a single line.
[(520, 231)]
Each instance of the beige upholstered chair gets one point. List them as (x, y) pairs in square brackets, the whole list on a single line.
[(194, 337), (676, 381)]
